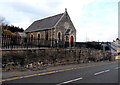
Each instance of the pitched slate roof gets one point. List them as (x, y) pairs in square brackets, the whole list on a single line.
[(43, 24)]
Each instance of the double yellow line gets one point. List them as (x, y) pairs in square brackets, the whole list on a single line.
[(51, 72)]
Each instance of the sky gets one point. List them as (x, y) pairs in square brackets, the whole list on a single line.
[(94, 20)]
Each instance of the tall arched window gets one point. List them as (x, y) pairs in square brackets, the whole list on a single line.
[(38, 36), (46, 35), (31, 36), (59, 36), (67, 38)]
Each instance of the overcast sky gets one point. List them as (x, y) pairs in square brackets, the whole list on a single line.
[(93, 19)]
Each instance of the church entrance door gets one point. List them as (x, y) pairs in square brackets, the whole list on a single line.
[(71, 41)]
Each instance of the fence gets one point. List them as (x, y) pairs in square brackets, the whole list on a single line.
[(26, 42), (10, 42)]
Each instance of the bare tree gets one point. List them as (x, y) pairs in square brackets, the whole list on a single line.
[(2, 21)]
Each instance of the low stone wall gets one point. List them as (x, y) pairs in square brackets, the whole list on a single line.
[(53, 56)]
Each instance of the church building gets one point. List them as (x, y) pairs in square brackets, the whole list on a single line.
[(57, 29)]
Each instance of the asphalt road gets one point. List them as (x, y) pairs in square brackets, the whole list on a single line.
[(107, 74)]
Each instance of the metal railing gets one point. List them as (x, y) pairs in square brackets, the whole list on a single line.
[(10, 42)]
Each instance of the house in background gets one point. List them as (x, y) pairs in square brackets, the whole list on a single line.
[(55, 29)]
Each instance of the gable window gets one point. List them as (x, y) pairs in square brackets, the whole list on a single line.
[(46, 35), (38, 36)]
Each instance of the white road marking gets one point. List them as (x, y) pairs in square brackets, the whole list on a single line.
[(101, 72), (106, 70), (70, 81), (117, 67)]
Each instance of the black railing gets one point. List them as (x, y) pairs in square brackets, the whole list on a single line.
[(9, 42)]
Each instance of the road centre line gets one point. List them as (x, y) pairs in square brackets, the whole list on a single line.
[(70, 81), (51, 72), (117, 67), (101, 72), (107, 70)]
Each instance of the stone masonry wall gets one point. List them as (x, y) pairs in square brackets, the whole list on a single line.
[(48, 57), (42, 34)]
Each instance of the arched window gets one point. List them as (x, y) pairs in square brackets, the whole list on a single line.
[(38, 36), (59, 36), (31, 36), (46, 35), (67, 38)]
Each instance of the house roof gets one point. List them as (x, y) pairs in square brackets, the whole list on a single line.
[(44, 24)]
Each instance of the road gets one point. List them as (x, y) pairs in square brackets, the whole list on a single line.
[(88, 75)]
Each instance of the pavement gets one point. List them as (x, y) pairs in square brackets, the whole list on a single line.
[(11, 74)]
